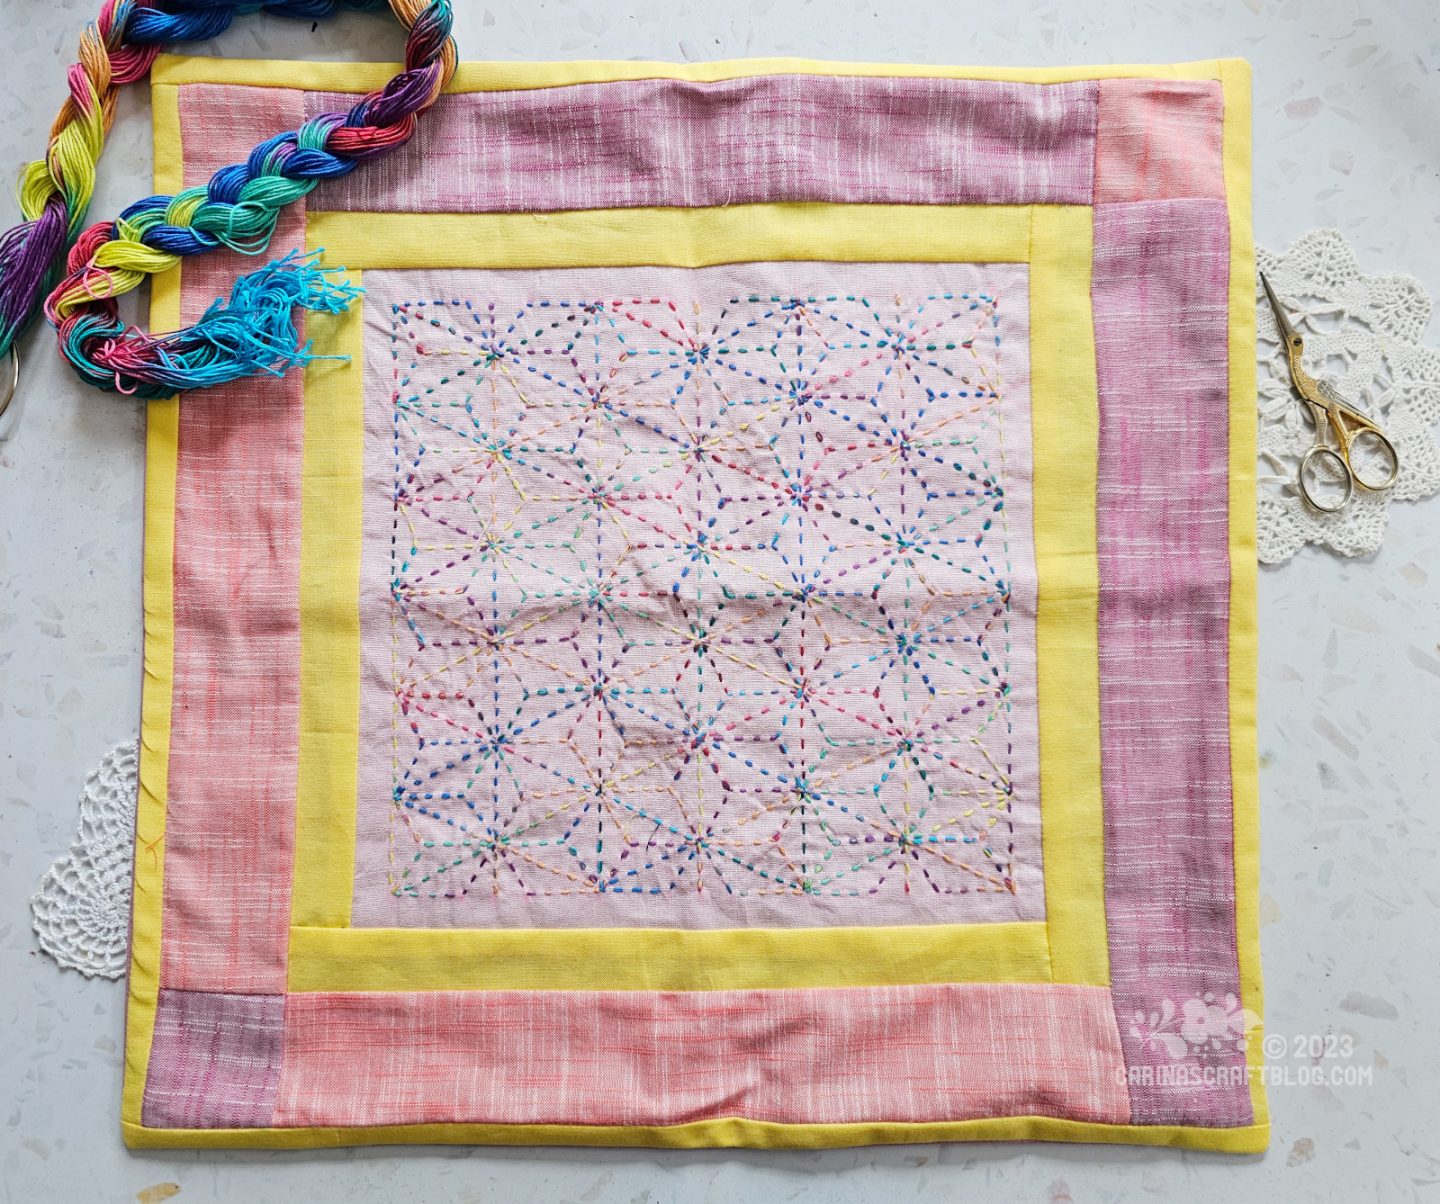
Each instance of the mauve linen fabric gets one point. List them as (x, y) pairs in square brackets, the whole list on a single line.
[(761, 139), (1162, 276)]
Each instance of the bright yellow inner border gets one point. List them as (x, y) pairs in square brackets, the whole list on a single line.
[(1065, 432), (661, 959), (169, 72), (330, 540), (326, 955)]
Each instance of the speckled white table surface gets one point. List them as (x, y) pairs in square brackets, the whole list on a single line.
[(1347, 117)]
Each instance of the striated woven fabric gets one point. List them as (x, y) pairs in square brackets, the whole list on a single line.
[(779, 138), (746, 636)]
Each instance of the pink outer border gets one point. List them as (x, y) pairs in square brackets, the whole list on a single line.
[(659, 1058), (230, 829), (907, 140), (1161, 289), (234, 740)]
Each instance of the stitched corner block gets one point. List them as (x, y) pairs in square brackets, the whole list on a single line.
[(1159, 139), (792, 588), (215, 1060)]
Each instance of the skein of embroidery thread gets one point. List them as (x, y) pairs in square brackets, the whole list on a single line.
[(84, 270)]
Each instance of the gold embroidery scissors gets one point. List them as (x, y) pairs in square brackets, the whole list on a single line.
[(1332, 417)]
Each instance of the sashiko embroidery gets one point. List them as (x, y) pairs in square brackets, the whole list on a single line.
[(702, 603)]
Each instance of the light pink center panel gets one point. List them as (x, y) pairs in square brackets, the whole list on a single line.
[(698, 598)]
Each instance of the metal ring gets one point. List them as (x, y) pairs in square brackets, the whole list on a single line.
[(1322, 452), (1386, 447), (14, 380)]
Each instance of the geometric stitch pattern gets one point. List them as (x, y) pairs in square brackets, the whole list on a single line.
[(689, 604)]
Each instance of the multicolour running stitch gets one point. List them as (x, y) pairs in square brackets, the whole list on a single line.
[(628, 550), (255, 332)]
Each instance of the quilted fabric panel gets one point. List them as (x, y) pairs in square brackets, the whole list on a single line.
[(738, 572)]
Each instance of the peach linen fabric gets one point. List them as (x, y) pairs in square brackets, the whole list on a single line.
[(1158, 140), (844, 1056), (230, 814)]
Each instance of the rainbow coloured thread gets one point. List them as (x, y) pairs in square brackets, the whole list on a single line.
[(254, 332)]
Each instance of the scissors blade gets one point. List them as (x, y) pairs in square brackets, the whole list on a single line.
[(1282, 319)]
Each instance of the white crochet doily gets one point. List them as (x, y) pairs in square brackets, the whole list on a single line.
[(1363, 334), (82, 909)]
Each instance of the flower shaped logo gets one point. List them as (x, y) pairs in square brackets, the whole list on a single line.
[(1204, 1023)]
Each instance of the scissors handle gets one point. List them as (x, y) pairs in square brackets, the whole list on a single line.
[(1323, 453), (1368, 432)]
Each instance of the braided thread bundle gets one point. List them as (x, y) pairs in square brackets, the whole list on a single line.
[(55, 192), (238, 208)]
